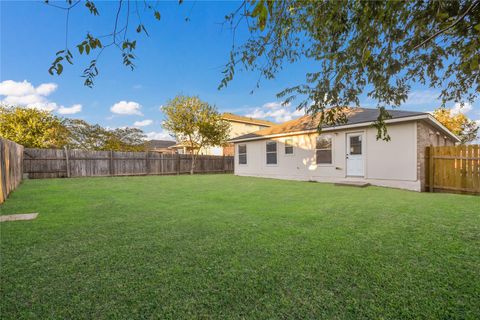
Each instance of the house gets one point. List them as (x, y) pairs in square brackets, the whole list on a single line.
[(160, 146), (183, 148), (342, 153), (239, 125)]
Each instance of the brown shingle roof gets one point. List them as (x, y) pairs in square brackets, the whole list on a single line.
[(307, 122), (159, 144), (237, 118)]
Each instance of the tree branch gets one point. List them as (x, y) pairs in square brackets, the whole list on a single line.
[(473, 5), (116, 21)]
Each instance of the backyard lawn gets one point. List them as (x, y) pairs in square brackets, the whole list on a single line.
[(221, 246)]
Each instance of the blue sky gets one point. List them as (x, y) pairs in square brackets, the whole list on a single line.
[(177, 57)]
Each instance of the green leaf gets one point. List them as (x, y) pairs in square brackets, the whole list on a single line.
[(87, 49), (80, 48), (474, 64), (262, 19), (366, 55), (139, 28), (157, 15), (59, 68)]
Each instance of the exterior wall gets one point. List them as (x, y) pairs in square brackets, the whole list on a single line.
[(392, 163), (238, 128), (427, 135)]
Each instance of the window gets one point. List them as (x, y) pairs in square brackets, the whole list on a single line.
[(271, 152), (289, 146), (356, 145), (324, 150), (242, 154)]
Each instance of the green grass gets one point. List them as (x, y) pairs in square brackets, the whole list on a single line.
[(220, 246)]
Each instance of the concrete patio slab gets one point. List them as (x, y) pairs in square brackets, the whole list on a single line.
[(18, 217), (359, 184)]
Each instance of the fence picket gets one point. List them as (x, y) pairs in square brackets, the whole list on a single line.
[(11, 167), (50, 163), (455, 169)]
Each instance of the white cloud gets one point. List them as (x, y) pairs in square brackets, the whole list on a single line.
[(24, 94), (25, 100), (274, 105), (422, 97), (76, 108), (44, 106), (14, 88), (46, 89), (126, 108), (458, 108), (276, 111), (143, 123), (154, 135)]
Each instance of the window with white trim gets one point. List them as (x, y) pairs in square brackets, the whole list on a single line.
[(288, 146), (271, 152), (324, 149), (242, 154)]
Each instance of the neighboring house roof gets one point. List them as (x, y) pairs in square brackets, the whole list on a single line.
[(236, 118), (160, 144), (355, 117), (181, 145)]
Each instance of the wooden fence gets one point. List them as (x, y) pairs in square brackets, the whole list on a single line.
[(11, 167), (453, 169), (58, 163)]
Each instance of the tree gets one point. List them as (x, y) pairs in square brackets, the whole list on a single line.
[(94, 137), (380, 48), (458, 123), (376, 47), (32, 128), (85, 136), (195, 123), (125, 139), (35, 128)]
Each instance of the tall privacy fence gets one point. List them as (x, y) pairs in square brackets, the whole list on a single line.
[(453, 169), (64, 163), (11, 167)]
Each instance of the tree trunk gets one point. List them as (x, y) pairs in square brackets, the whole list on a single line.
[(192, 168)]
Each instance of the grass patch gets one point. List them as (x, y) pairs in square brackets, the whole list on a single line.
[(221, 246)]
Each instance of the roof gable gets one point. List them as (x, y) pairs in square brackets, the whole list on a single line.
[(236, 118)]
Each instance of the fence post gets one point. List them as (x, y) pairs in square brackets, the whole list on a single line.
[(147, 164), (110, 163), (224, 165), (431, 169), (67, 162), (178, 163)]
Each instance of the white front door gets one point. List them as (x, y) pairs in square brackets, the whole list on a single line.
[(355, 153)]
